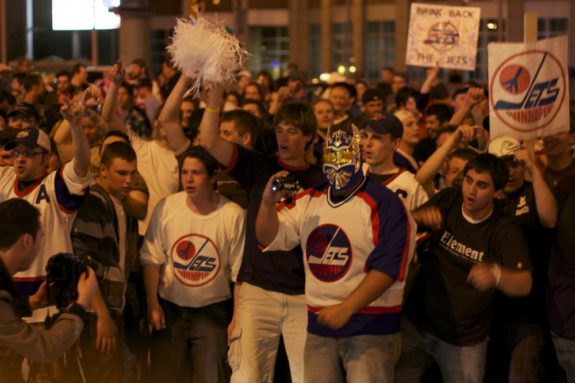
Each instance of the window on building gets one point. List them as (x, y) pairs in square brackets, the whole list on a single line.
[(341, 45), (379, 48), (552, 27), (314, 64), (490, 30), (270, 48), (159, 40)]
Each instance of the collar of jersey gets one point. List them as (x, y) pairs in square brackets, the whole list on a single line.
[(288, 167), (353, 192)]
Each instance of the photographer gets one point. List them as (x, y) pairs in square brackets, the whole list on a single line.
[(20, 239)]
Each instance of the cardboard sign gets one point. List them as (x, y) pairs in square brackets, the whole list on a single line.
[(528, 88), (443, 35)]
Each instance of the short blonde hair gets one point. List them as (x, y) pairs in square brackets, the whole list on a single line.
[(403, 115)]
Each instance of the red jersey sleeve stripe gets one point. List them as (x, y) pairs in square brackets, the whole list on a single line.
[(374, 216)]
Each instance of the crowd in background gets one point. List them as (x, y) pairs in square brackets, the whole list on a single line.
[(130, 165)]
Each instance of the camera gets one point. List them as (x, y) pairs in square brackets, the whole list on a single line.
[(63, 272), (287, 183)]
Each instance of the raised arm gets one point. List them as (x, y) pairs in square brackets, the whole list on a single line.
[(278, 98), (545, 201), (429, 168), (431, 77), (109, 109), (170, 115), (210, 139), (72, 113), (473, 97), (63, 140)]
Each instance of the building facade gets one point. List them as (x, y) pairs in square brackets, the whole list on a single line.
[(356, 37)]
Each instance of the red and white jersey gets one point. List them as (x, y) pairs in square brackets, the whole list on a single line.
[(198, 254), (342, 241), (404, 185), (57, 196)]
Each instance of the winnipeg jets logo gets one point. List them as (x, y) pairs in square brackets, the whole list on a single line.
[(442, 36), (196, 260), (527, 90), (328, 253)]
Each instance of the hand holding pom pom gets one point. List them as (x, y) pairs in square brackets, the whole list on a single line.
[(204, 51)]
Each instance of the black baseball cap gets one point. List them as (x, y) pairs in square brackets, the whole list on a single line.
[(25, 111), (30, 138), (385, 123), (372, 95)]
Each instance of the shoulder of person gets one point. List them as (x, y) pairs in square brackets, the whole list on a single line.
[(5, 296)]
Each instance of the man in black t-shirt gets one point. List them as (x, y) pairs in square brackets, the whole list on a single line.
[(475, 248), (270, 301)]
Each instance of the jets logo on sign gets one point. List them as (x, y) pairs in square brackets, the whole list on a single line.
[(196, 260), (527, 90), (328, 253), (442, 36)]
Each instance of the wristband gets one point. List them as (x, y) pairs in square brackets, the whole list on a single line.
[(496, 270), (212, 110)]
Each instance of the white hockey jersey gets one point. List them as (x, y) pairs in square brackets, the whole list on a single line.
[(198, 254), (342, 241)]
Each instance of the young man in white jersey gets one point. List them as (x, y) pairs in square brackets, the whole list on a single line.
[(380, 137), (191, 253), (57, 195)]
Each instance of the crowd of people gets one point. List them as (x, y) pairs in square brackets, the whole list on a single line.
[(371, 232)]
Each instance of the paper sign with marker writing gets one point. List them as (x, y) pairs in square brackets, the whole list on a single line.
[(443, 35)]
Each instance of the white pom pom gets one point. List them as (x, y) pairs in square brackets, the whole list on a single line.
[(202, 49)]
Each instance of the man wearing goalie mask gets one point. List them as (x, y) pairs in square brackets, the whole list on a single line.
[(356, 236)]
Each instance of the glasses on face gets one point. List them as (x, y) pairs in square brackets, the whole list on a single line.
[(26, 153)]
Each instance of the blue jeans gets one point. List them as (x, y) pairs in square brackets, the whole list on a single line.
[(364, 358), (458, 364), (565, 350), (193, 347)]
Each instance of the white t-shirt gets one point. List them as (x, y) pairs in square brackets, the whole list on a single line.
[(198, 254), (159, 167)]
